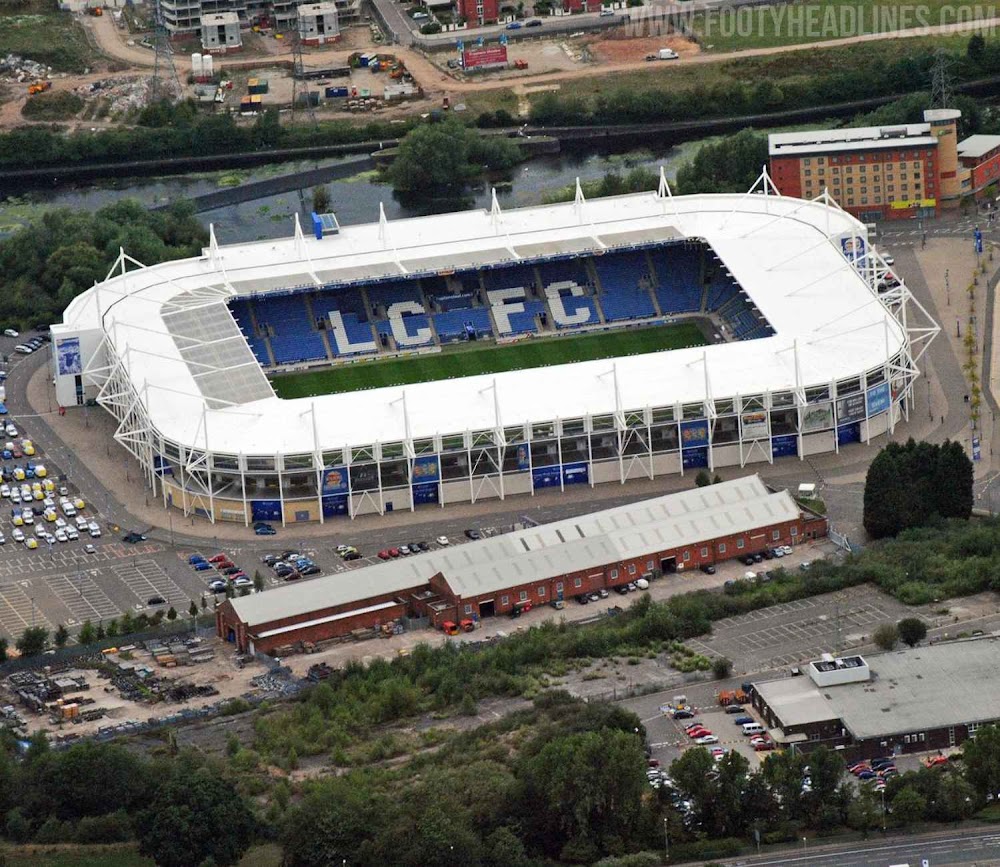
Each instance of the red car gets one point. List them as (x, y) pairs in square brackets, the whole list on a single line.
[(763, 746), (699, 732), (394, 552), (218, 558), (223, 564), (384, 555), (934, 761)]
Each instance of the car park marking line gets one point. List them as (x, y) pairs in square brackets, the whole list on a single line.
[(83, 597), (17, 612), (147, 579)]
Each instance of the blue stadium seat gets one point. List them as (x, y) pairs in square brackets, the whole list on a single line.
[(525, 322), (358, 332), (678, 273), (350, 300), (385, 294), (621, 296), (572, 270), (414, 322), (456, 302), (507, 278), (451, 325)]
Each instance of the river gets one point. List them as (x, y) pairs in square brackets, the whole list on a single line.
[(354, 200)]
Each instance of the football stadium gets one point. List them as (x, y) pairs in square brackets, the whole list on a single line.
[(490, 353)]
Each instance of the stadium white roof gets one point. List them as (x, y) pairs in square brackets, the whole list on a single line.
[(201, 387), (547, 551)]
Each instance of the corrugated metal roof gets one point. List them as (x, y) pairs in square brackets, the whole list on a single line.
[(543, 552)]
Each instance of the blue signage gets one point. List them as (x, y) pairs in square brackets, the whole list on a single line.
[(694, 433), (784, 446), (575, 474), (68, 356), (694, 458), (523, 457), (427, 493), (426, 469), (849, 433), (333, 506), (853, 249), (879, 399), (546, 477), (978, 236), (265, 510), (335, 480), (977, 449)]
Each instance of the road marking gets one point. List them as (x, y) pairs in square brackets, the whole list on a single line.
[(82, 596), (145, 578)]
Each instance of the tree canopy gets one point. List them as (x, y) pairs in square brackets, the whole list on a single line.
[(909, 484), (730, 165)]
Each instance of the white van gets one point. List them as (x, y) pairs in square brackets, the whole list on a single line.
[(753, 729)]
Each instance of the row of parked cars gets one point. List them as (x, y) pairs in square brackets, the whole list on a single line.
[(767, 554), (879, 771), (229, 573), (290, 565), (29, 346)]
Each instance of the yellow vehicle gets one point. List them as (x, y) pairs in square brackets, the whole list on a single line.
[(40, 471), (50, 516), (17, 521), (30, 543), (78, 503), (19, 474), (28, 447), (48, 486), (38, 495)]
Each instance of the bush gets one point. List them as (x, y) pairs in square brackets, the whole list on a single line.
[(53, 105), (636, 859), (886, 636), (722, 668), (113, 828), (912, 630)]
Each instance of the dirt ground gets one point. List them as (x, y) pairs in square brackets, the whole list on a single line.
[(627, 50)]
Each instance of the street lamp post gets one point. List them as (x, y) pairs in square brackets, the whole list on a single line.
[(666, 840)]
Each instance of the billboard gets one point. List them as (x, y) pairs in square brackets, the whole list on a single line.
[(426, 493), (426, 469), (546, 477), (817, 417), (851, 408), (492, 55), (523, 457), (335, 480), (853, 248), (754, 425), (575, 474), (265, 510), (878, 399), (784, 446), (68, 356), (694, 433)]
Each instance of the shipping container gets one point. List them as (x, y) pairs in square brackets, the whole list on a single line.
[(336, 92), (257, 85)]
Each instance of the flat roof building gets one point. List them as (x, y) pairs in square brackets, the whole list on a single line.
[(875, 172), (911, 700), (664, 536), (318, 23), (220, 32)]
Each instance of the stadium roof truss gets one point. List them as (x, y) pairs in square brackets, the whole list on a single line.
[(176, 372)]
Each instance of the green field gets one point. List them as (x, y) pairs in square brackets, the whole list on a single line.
[(473, 359)]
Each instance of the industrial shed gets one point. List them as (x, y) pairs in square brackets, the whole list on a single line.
[(659, 537)]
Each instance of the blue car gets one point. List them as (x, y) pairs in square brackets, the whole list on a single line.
[(196, 558), (514, 25), (7, 454), (29, 473), (202, 567), (743, 720), (3, 409), (265, 530)]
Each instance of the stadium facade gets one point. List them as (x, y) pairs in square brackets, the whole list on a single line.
[(813, 346)]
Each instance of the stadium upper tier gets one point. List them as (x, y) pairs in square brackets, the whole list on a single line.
[(160, 347)]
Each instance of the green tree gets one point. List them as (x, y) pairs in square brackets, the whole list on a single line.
[(320, 199), (864, 812), (87, 634), (956, 799), (258, 581), (981, 761), (195, 814), (61, 636), (503, 848), (886, 636), (171, 613), (702, 479), (912, 630), (193, 609), (721, 668), (33, 641), (908, 806), (3, 650), (730, 165)]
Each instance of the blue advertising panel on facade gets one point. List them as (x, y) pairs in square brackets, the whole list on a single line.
[(854, 249), (335, 480), (265, 510), (334, 506), (784, 446), (68, 356), (546, 477), (426, 469), (848, 433), (878, 399), (977, 449), (426, 493), (694, 458), (851, 408), (523, 458), (575, 474), (694, 433)]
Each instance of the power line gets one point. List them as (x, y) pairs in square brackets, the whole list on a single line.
[(941, 89), (299, 73), (163, 65)]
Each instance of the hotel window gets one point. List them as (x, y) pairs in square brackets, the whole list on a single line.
[(775, 535), (890, 188), (807, 161), (704, 552), (795, 531), (864, 191), (821, 161), (650, 565), (808, 172)]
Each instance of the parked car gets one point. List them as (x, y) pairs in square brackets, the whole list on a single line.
[(443, 541), (89, 549), (473, 534), (243, 582), (735, 708), (683, 714), (705, 740), (10, 332), (264, 530), (196, 558), (156, 600), (133, 538), (743, 720), (582, 599), (383, 555), (707, 568), (217, 586)]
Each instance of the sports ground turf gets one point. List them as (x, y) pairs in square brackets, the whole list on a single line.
[(477, 358)]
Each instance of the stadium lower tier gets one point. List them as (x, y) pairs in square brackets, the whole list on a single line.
[(308, 326), (246, 489)]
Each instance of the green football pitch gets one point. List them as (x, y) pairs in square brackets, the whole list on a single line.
[(471, 359)]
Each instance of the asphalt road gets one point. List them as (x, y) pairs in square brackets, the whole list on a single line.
[(978, 848)]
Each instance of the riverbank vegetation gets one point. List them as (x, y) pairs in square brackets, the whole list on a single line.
[(39, 30), (46, 265)]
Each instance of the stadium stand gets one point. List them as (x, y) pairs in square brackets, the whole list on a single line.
[(624, 281), (574, 293), (677, 272)]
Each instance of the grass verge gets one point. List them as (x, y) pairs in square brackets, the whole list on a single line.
[(475, 359)]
